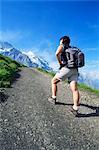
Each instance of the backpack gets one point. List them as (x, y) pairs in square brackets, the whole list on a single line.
[(73, 57)]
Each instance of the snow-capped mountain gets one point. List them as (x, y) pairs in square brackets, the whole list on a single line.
[(29, 59), (42, 63), (5, 46), (8, 50)]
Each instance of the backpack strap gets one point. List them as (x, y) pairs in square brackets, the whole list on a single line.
[(63, 55)]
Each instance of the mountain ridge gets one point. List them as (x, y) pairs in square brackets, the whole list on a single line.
[(8, 50)]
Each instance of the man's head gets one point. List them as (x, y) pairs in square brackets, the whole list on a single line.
[(65, 40)]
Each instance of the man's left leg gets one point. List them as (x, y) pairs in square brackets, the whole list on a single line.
[(54, 87), (54, 82)]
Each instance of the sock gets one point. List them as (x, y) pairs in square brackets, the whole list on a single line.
[(75, 107), (53, 97)]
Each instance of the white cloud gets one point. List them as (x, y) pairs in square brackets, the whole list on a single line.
[(93, 26), (93, 75), (91, 49), (10, 35), (54, 65), (45, 43), (91, 71), (92, 65)]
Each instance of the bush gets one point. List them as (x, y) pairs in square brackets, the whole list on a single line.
[(4, 74), (8, 67)]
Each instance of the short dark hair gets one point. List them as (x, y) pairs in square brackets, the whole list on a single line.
[(65, 38)]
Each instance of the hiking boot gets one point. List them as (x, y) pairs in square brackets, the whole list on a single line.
[(75, 112), (52, 100)]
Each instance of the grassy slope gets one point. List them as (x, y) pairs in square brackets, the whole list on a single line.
[(80, 85), (8, 68)]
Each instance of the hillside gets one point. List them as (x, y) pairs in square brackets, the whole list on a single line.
[(30, 122), (8, 68)]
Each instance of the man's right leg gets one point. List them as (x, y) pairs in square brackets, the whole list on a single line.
[(76, 95)]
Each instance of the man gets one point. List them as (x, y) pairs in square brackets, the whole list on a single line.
[(70, 73)]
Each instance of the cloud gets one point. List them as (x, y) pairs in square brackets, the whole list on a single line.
[(93, 26), (91, 49), (93, 63), (46, 49), (91, 68), (54, 65), (94, 75), (16, 37), (45, 43), (10, 35), (19, 39)]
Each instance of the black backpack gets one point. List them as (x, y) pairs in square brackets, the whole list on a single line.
[(73, 57)]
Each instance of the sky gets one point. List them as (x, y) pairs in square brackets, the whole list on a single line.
[(37, 25)]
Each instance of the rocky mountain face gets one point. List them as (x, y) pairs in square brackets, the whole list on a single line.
[(40, 61), (29, 59)]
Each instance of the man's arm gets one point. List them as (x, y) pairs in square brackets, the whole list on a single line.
[(58, 53)]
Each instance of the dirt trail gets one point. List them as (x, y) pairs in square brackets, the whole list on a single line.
[(29, 122)]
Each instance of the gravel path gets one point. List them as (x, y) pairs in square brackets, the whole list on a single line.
[(29, 122)]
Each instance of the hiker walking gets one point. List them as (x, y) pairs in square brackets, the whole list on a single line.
[(69, 58)]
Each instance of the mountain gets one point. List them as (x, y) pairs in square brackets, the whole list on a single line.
[(40, 61), (29, 59), (5, 46), (8, 50)]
